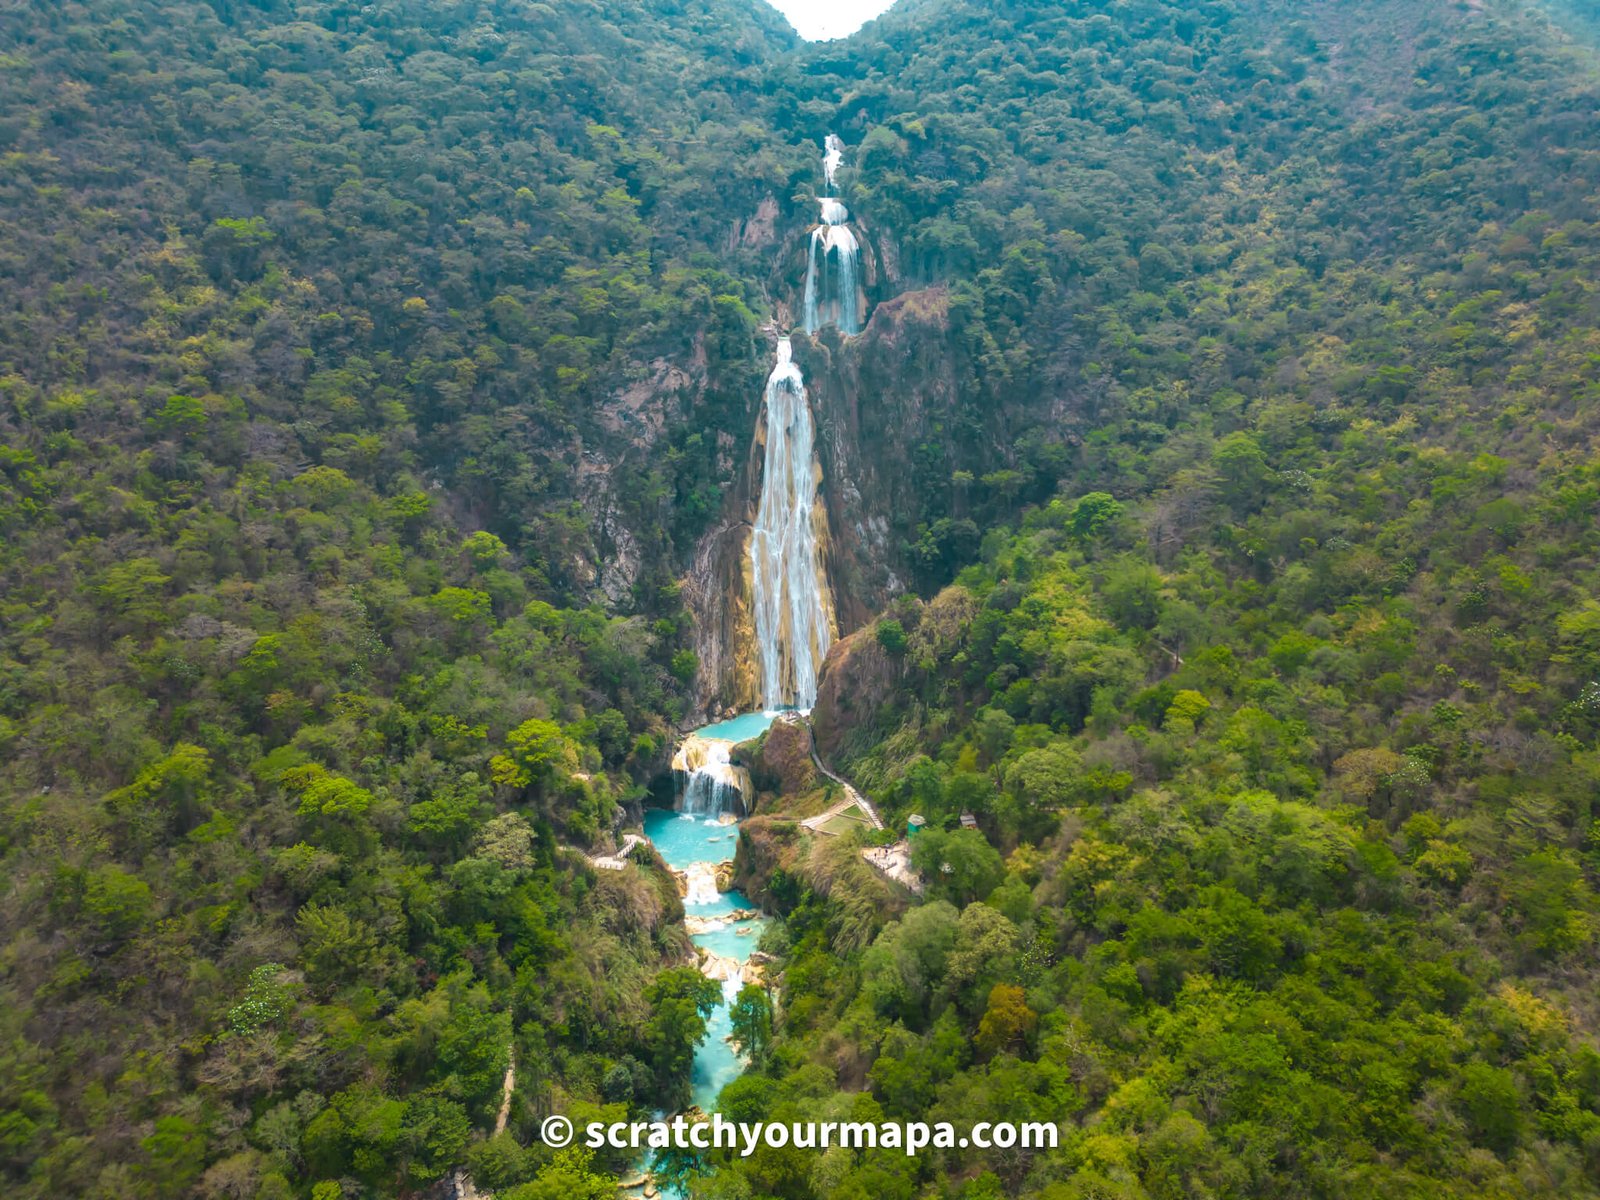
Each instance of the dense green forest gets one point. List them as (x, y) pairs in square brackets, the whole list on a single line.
[(368, 374), (304, 692)]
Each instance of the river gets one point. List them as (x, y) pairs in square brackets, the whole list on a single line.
[(695, 845)]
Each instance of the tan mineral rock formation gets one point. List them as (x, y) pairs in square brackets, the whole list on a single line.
[(717, 591), (719, 966)]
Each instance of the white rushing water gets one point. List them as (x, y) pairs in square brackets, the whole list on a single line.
[(833, 284), (832, 157), (702, 885), (713, 785), (706, 794), (833, 260), (793, 631)]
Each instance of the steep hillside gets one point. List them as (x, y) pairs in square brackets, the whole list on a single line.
[(478, 243), (319, 324), (1278, 713), (1213, 502), (1150, 221)]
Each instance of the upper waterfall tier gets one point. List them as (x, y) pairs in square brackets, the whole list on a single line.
[(833, 289), (792, 608), (832, 157), (833, 272), (833, 212)]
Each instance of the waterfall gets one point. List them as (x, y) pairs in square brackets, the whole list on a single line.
[(701, 878), (843, 243), (793, 630), (705, 793), (813, 314), (713, 785), (832, 157), (833, 244)]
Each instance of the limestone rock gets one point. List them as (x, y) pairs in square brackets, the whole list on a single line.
[(783, 762), (857, 678)]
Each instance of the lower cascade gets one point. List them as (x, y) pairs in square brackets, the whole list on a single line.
[(724, 926), (725, 929), (701, 881), (793, 618), (712, 785)]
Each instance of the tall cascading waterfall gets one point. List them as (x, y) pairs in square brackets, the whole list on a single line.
[(793, 620), (834, 258)]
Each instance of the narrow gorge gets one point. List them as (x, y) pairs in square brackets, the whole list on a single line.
[(793, 626)]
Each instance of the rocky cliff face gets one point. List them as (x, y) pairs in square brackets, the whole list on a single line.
[(782, 764), (719, 589), (878, 397), (718, 593), (631, 423), (857, 680), (765, 845), (861, 681)]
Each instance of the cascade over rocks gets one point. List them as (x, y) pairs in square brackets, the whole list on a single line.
[(766, 617), (833, 273), (875, 403), (711, 783)]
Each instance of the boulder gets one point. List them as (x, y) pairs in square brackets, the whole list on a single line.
[(782, 764)]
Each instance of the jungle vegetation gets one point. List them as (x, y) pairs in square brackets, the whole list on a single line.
[(1254, 608)]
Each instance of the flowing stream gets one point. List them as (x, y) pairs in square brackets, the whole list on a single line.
[(722, 923), (694, 840)]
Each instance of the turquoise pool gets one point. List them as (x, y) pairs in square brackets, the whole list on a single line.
[(683, 842), (739, 729)]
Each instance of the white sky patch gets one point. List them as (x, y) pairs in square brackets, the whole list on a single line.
[(819, 20)]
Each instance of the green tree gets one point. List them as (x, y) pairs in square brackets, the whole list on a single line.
[(752, 1022), (680, 1000), (960, 866), (1006, 1021), (570, 1175), (891, 635)]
